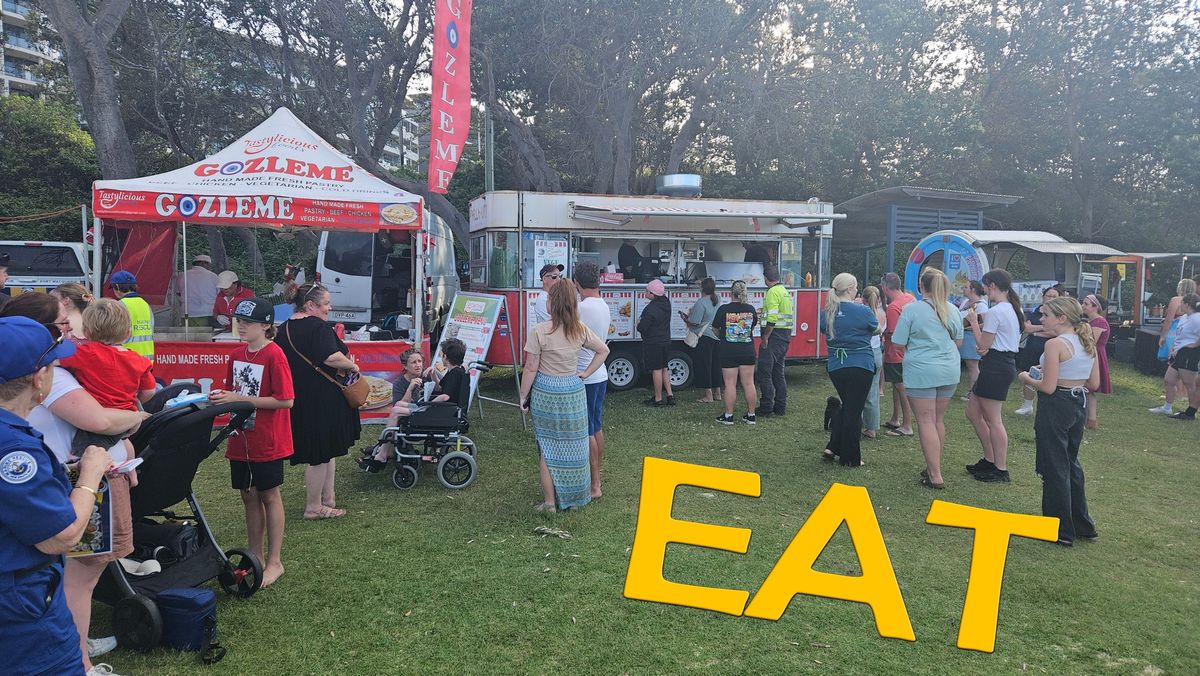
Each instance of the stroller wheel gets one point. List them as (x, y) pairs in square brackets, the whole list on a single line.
[(404, 477), (242, 575), (137, 623), (456, 470)]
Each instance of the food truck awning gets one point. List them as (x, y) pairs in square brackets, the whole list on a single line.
[(791, 218), (280, 173), (1071, 248)]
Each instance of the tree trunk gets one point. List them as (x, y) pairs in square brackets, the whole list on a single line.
[(250, 239), (216, 248), (91, 70)]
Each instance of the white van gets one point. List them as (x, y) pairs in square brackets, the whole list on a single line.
[(41, 266), (371, 276)]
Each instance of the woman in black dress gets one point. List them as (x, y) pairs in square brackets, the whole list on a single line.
[(323, 424)]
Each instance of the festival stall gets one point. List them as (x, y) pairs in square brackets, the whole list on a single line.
[(280, 175)]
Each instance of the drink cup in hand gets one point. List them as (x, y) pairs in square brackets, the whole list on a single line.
[(1035, 373)]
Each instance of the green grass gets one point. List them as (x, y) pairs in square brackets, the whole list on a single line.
[(432, 580)]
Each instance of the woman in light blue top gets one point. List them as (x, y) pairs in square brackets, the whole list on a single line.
[(848, 327), (704, 356), (931, 332)]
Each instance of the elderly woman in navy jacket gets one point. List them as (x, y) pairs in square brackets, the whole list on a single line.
[(41, 515)]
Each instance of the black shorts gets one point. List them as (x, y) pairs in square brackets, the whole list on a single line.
[(893, 373), (996, 373), (654, 355), (260, 475), (732, 357), (1186, 359)]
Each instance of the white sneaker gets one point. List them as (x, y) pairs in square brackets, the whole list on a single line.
[(1161, 409), (1024, 410), (101, 646), (101, 670)]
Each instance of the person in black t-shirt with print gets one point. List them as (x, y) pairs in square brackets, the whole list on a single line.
[(734, 325), (454, 382)]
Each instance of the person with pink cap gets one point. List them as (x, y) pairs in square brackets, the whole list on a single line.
[(654, 326)]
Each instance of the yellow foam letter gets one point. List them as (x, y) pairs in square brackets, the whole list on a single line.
[(793, 573), (655, 528), (992, 531)]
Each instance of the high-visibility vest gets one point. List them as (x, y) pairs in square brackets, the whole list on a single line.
[(141, 339), (777, 308)]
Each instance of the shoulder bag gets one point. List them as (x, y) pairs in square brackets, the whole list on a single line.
[(356, 393)]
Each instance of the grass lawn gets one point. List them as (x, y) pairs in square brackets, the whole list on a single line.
[(432, 580)]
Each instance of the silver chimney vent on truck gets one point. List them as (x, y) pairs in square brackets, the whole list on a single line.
[(678, 185)]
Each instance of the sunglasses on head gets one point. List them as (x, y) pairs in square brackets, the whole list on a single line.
[(58, 336)]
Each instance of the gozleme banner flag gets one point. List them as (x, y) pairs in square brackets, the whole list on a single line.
[(450, 100)]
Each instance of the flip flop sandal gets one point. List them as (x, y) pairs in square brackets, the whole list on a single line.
[(326, 513), (897, 433), (891, 425), (929, 484)]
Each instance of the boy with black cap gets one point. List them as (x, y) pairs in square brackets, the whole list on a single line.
[(259, 374)]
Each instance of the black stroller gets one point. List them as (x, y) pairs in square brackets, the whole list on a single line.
[(172, 444)]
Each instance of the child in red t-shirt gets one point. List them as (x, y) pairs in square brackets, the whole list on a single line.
[(259, 374), (115, 376)]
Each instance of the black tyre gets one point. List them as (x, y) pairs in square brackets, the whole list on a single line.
[(456, 470), (243, 573), (404, 477), (624, 370), (136, 623), (679, 369)]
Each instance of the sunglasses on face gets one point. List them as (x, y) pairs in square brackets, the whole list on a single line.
[(551, 276)]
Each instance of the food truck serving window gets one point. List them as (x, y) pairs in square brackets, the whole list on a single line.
[(502, 260), (539, 249)]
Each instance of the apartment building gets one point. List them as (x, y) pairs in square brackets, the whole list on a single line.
[(19, 54), (403, 150)]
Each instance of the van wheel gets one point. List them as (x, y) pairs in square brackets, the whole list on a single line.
[(679, 369), (624, 370)]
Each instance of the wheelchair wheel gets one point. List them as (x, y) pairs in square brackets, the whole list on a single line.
[(404, 477), (456, 470), (242, 575), (137, 623)]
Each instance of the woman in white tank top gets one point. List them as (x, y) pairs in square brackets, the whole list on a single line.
[(1069, 369)]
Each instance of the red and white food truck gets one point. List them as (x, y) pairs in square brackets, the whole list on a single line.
[(680, 240)]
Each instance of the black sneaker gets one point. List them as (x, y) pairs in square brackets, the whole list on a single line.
[(984, 465), (1183, 415), (764, 412), (993, 475), (749, 419), (779, 412), (725, 419), (670, 400)]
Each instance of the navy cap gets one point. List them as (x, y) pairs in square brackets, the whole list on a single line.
[(255, 310), (123, 277), (28, 347)]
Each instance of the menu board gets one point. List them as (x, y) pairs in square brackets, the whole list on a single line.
[(621, 311), (531, 298), (472, 320), (549, 252), (681, 301)]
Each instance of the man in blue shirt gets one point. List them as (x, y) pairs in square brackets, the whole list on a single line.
[(41, 515)]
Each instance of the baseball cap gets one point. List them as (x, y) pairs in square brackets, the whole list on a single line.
[(255, 310), (227, 279), (550, 267), (123, 277), (28, 347), (201, 258), (656, 287)]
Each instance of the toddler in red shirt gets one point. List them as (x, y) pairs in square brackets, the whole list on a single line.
[(259, 373), (115, 376)]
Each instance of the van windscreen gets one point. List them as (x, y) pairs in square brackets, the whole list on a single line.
[(41, 261), (349, 253)]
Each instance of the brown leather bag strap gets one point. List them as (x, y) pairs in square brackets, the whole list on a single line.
[(309, 361)]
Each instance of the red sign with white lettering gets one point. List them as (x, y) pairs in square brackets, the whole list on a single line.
[(450, 100)]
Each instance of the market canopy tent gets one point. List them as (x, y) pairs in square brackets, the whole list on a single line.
[(280, 174)]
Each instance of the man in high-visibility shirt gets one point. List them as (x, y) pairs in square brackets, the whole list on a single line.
[(141, 337), (778, 317)]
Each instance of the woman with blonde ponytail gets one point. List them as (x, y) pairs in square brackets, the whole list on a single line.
[(1068, 371), (930, 332), (848, 327)]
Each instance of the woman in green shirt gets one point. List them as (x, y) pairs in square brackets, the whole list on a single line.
[(931, 332)]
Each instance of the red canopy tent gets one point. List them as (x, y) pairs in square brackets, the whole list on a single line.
[(280, 174)]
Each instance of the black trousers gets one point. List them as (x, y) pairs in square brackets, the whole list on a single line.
[(704, 360), (772, 386), (1058, 431), (853, 385)]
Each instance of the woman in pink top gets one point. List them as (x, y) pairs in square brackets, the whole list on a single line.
[(1094, 308)]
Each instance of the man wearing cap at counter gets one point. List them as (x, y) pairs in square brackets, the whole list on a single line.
[(550, 274), (141, 333), (199, 283), (230, 291), (41, 516)]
